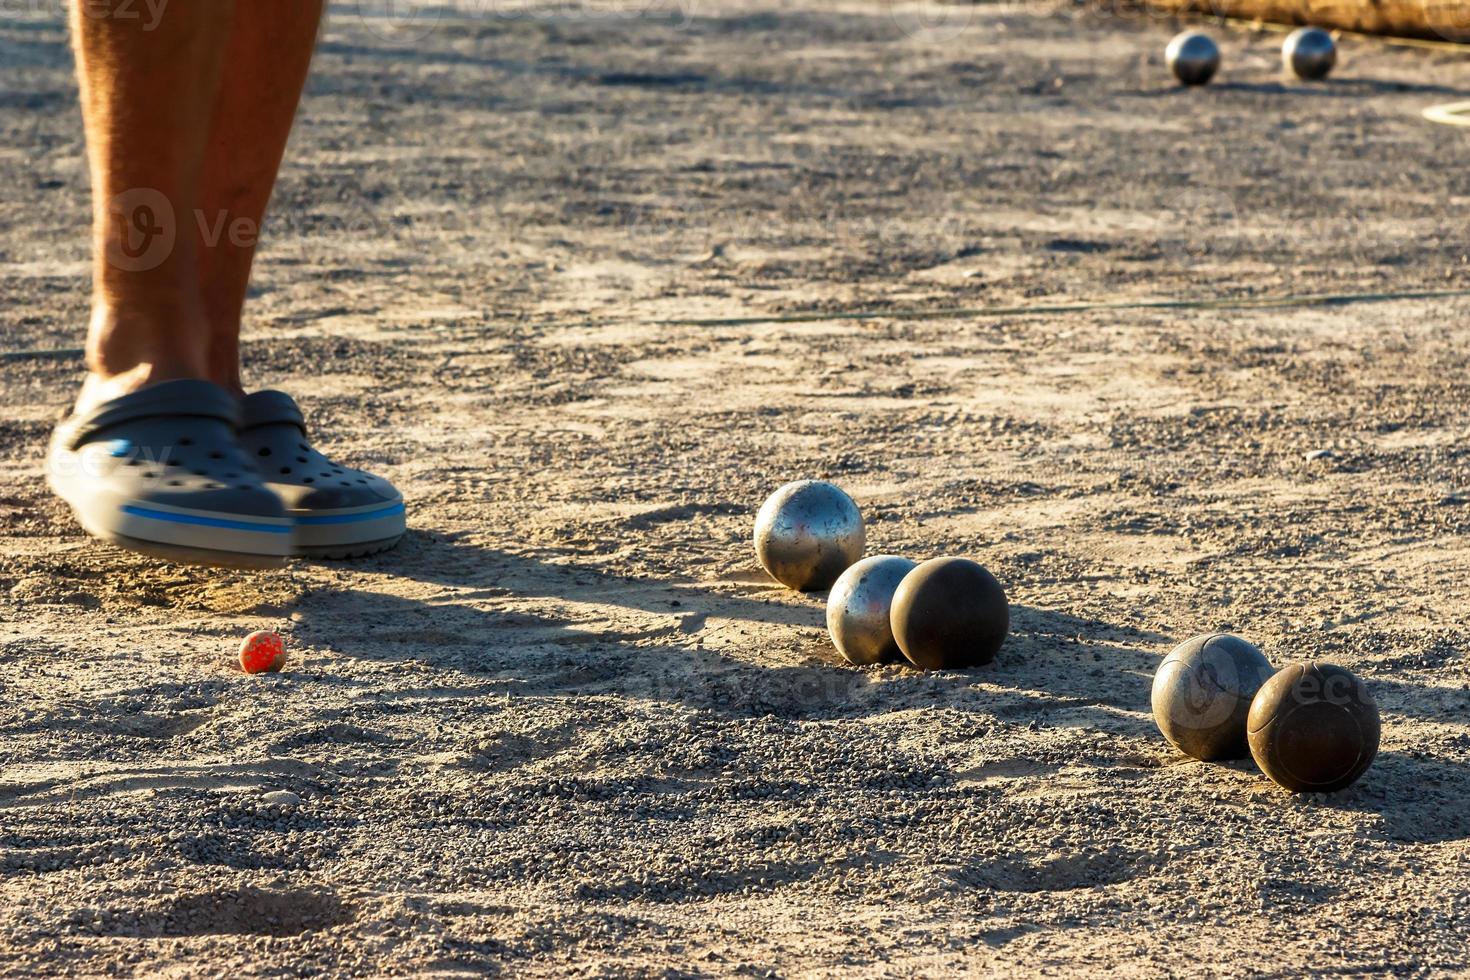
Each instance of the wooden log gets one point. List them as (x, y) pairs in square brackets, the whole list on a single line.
[(1444, 20)]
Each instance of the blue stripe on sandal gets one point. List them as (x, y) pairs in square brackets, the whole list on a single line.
[(390, 511), (163, 515)]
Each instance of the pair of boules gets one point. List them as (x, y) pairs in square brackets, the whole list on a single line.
[(942, 614), (1311, 727), (1308, 53)]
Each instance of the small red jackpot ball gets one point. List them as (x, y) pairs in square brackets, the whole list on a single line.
[(262, 652)]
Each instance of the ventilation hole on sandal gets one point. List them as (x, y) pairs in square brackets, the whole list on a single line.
[(300, 459), (185, 441), (362, 481), (149, 474), (175, 483), (304, 447), (309, 480), (135, 461), (244, 486), (232, 476), (263, 451), (216, 455), (285, 470)]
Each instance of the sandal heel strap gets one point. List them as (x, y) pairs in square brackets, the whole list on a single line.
[(270, 408), (181, 399)]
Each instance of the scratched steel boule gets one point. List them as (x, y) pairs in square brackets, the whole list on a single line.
[(807, 533), (858, 609)]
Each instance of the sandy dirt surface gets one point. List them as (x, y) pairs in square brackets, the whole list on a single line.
[(568, 727)]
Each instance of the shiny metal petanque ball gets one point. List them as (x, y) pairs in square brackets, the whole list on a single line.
[(807, 533), (1314, 727), (1202, 694), (1309, 52), (858, 608), (1193, 57)]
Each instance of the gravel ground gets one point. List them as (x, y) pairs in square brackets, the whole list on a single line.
[(568, 727)]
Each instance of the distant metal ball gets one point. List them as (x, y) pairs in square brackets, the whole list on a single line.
[(1309, 52), (1202, 694), (858, 608), (950, 613), (807, 533), (1314, 727), (1193, 57)]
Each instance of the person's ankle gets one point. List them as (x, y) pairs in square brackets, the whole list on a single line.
[(223, 368), (222, 354), (129, 351), (99, 387)]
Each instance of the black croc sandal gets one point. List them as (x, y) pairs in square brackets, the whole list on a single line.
[(161, 471), (336, 511)]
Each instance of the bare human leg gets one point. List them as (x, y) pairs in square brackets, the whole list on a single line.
[(187, 119), (148, 92), (268, 56)]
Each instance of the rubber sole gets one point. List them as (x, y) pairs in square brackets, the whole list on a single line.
[(343, 552), (194, 556), (351, 532), (180, 553)]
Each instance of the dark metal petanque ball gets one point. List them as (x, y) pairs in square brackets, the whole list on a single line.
[(1314, 727), (950, 613)]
